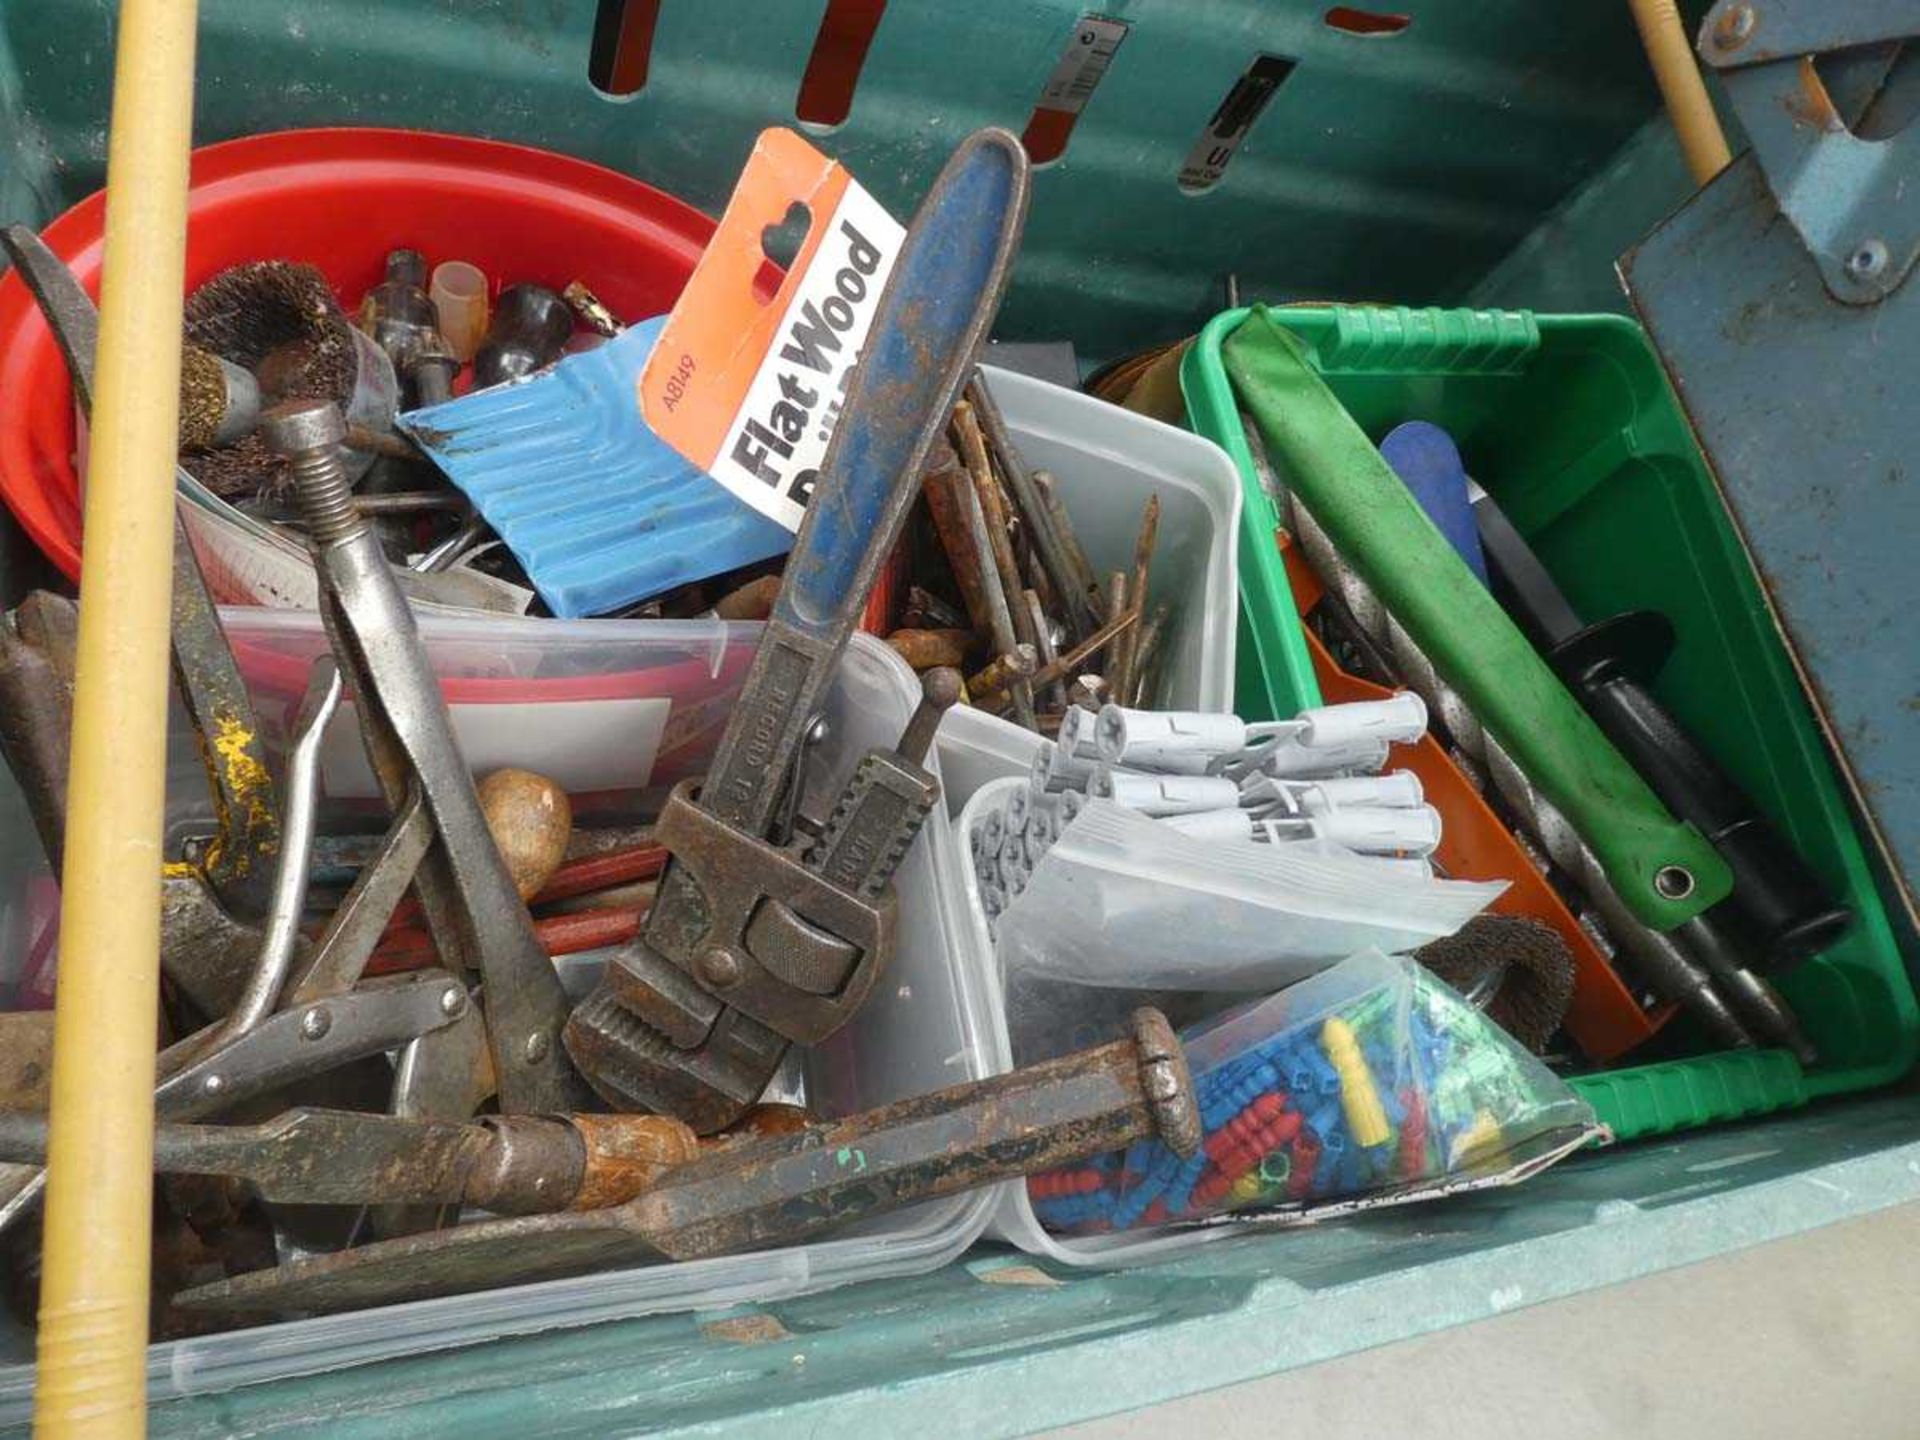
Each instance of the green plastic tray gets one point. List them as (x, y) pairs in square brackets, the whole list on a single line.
[(1273, 673), (1569, 422)]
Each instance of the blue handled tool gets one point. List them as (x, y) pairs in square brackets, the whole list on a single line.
[(751, 944), (1428, 464)]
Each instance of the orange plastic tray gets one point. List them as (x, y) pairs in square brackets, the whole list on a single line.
[(1605, 1020)]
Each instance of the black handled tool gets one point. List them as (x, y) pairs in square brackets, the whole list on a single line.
[(531, 327), (1777, 903)]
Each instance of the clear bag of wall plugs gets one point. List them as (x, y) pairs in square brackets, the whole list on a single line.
[(1371, 1083), (1124, 901)]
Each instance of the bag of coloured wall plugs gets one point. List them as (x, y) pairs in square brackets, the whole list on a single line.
[(1370, 1084)]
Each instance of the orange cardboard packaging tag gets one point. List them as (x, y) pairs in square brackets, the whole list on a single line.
[(748, 387)]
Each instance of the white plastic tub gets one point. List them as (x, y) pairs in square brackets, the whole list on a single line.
[(1105, 462), (927, 1025), (1013, 1218)]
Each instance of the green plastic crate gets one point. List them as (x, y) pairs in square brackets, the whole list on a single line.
[(1274, 676), (1569, 422)]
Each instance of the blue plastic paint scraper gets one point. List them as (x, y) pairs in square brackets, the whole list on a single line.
[(599, 510)]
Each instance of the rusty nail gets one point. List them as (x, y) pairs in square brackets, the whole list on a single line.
[(967, 538), (1121, 665), (973, 454), (945, 487), (1076, 557), (1043, 639), (1071, 662), (1050, 548), (939, 692), (1000, 673), (1146, 660)]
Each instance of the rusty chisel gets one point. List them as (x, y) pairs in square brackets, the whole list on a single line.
[(776, 1189)]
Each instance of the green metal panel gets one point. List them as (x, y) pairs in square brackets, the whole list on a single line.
[(1398, 166)]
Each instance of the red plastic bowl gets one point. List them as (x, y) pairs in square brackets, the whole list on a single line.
[(340, 199)]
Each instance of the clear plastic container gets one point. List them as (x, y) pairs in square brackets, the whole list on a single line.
[(1013, 1218), (1105, 462), (927, 1025)]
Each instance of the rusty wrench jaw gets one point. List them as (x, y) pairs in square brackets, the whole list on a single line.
[(793, 937)]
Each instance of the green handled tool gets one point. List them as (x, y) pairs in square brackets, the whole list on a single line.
[(1665, 871)]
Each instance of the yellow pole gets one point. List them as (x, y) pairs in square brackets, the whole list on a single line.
[(1678, 75), (96, 1258)]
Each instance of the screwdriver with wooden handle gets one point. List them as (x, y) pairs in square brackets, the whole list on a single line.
[(506, 1164)]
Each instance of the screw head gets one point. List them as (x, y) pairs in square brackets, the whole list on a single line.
[(213, 1084), (535, 1050), (1734, 27), (1674, 882), (315, 1023), (452, 1000), (719, 967), (1868, 259), (294, 426)]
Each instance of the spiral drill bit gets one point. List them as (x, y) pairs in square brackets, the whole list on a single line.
[(1658, 959)]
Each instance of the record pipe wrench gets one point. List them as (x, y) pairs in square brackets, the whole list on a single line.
[(751, 946)]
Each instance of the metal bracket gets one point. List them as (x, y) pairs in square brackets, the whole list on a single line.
[(1852, 200)]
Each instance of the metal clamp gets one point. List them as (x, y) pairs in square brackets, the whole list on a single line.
[(1851, 199)]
